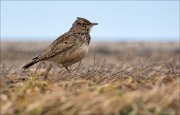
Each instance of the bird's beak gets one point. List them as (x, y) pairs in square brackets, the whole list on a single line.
[(93, 24)]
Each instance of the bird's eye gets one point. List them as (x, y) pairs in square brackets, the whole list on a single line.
[(65, 42), (83, 24)]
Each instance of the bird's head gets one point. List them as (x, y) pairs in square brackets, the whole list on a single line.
[(82, 24)]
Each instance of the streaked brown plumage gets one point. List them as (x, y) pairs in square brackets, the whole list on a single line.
[(69, 48)]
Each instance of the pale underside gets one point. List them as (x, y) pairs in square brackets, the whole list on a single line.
[(73, 55)]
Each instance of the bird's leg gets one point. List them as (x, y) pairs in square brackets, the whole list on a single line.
[(47, 71), (79, 66), (68, 70)]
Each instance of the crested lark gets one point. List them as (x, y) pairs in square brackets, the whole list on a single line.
[(69, 48)]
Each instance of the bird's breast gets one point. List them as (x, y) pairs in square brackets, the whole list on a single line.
[(84, 48), (80, 52)]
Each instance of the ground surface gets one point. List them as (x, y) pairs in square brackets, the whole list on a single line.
[(115, 78)]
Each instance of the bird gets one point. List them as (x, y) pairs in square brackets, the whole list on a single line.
[(69, 48)]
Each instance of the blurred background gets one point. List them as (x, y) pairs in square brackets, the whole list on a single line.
[(118, 20), (131, 30)]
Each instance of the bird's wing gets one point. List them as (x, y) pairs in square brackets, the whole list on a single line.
[(61, 44)]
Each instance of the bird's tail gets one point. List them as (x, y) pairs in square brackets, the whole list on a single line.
[(29, 64)]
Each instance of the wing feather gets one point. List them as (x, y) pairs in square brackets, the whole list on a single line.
[(61, 44)]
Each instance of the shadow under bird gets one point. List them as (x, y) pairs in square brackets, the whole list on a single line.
[(69, 48)]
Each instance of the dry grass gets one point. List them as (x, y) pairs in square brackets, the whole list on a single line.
[(134, 80)]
